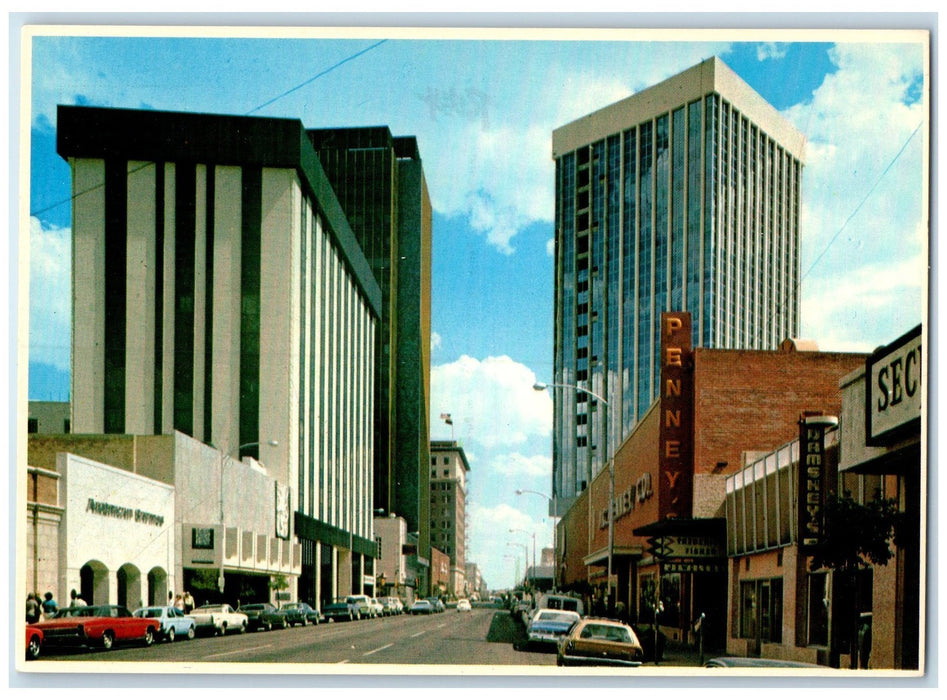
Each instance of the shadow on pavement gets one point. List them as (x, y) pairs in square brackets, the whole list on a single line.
[(505, 630)]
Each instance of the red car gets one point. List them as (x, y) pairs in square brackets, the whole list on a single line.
[(34, 641), (97, 625)]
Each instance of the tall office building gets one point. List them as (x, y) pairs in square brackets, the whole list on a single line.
[(218, 291), (379, 180), (449, 467), (683, 197)]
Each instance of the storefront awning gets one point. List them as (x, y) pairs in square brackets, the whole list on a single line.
[(600, 558), (684, 527)]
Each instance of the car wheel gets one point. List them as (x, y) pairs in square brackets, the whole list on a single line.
[(33, 648), (191, 632), (222, 630), (169, 635), (268, 627), (149, 636), (108, 639), (243, 628)]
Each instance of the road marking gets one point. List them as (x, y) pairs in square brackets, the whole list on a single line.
[(238, 651), (417, 634), (344, 661), (369, 653), (442, 626)]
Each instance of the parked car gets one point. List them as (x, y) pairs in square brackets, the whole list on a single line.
[(378, 610), (34, 642), (174, 623), (301, 614), (398, 605), (422, 607), (341, 609), (219, 618), (438, 604), (264, 616), (389, 605), (753, 662), (599, 642), (364, 605), (463, 605), (548, 626), (97, 625)]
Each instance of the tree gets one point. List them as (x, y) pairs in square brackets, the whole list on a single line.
[(857, 537)]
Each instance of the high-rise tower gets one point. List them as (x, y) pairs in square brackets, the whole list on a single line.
[(683, 197)]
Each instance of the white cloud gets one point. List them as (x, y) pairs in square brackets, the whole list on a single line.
[(864, 237), (50, 295), (515, 464), (770, 50), (551, 247), (435, 340), (471, 390)]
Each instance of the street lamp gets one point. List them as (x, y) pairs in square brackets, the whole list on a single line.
[(542, 386), (555, 550), (533, 535), (525, 555)]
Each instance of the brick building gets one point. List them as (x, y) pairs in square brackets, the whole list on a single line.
[(718, 409)]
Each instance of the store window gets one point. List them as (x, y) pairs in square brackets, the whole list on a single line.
[(818, 613), (761, 610)]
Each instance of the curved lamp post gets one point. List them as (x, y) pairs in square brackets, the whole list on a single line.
[(533, 535), (542, 386)]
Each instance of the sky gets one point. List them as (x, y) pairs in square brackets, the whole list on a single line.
[(483, 111)]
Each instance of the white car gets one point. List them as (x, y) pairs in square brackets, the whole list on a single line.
[(463, 605), (378, 610), (219, 618)]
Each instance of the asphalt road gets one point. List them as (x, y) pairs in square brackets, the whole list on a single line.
[(482, 637)]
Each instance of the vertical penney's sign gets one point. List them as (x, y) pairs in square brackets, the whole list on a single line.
[(812, 477), (675, 461)]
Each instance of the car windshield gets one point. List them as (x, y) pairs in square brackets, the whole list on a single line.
[(612, 633), (290, 606), (253, 606), (557, 617), (148, 612), (208, 607), (81, 612)]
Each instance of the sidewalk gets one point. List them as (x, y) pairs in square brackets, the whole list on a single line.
[(677, 654)]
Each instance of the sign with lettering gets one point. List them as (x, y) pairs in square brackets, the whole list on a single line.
[(629, 499), (123, 513), (675, 462), (811, 500), (893, 382)]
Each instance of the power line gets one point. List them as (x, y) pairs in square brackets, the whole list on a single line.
[(255, 109), (862, 202)]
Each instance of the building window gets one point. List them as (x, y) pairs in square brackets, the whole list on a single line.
[(446, 460), (32, 425), (761, 610)]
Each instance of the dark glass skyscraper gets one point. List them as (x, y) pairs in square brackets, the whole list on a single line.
[(683, 197)]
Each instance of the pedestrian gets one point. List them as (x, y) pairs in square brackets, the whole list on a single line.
[(188, 602), (33, 609), (49, 604), (179, 602), (75, 600)]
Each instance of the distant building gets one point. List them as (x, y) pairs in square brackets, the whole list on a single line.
[(682, 197), (48, 418), (219, 292), (394, 548), (448, 476)]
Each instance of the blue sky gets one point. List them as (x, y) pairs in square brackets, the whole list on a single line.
[(483, 111)]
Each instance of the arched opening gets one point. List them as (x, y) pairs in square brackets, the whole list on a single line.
[(94, 583), (157, 586), (129, 591)]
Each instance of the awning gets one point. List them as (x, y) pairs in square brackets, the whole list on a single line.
[(685, 527), (600, 558)]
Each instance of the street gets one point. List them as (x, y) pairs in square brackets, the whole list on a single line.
[(484, 636)]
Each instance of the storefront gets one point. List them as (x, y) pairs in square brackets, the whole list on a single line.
[(882, 451), (116, 541), (717, 410)]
